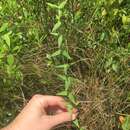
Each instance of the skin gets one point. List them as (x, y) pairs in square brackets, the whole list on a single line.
[(42, 113)]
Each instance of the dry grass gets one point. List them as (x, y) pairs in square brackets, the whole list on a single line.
[(101, 95)]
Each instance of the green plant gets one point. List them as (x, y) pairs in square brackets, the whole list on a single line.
[(8, 49), (62, 54), (86, 44), (126, 123)]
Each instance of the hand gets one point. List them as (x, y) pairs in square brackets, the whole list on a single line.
[(42, 113)]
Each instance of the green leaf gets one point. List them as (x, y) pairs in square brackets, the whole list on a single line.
[(56, 26), (68, 83), (60, 13), (57, 53), (78, 15), (125, 20), (10, 59), (53, 6), (4, 27), (25, 13), (120, 1), (62, 5), (6, 37), (60, 41), (54, 34), (7, 40), (104, 12), (72, 98), (69, 107), (62, 77), (115, 67), (48, 56), (109, 62), (66, 54), (126, 124), (17, 48), (64, 66), (76, 123), (102, 37), (63, 93)]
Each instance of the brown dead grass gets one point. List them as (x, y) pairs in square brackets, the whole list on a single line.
[(102, 95)]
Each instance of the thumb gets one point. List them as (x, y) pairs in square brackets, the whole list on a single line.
[(61, 118)]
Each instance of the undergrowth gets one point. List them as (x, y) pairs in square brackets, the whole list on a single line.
[(78, 49)]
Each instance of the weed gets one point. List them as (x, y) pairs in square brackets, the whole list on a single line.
[(78, 49), (62, 54)]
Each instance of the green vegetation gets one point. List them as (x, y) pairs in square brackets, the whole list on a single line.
[(78, 49)]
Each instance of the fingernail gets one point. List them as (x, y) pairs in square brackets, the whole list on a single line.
[(74, 116), (75, 111)]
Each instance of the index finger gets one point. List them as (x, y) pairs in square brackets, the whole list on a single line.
[(50, 101)]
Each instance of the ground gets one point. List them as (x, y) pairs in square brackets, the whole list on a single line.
[(78, 49)]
